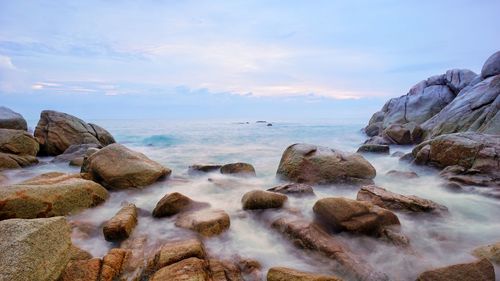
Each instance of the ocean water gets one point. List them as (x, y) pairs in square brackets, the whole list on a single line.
[(473, 221)]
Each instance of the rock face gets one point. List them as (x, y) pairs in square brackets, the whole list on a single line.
[(26, 245), (176, 251), (297, 189), (241, 169), (121, 225), (117, 167), (48, 195), (192, 269), (492, 66), (12, 120), (490, 252), (174, 203), (344, 214), (56, 131), (374, 148), (206, 222), (476, 271), (305, 163), (397, 202), (260, 199), (287, 274)]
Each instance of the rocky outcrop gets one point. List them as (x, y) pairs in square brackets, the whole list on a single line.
[(190, 269), (490, 252), (48, 195), (35, 250), (117, 167), (297, 189), (305, 163), (260, 199), (12, 161), (174, 203), (56, 131), (286, 274), (207, 222), (121, 225), (76, 153), (10, 119), (17, 149), (492, 66), (476, 271), (238, 169)]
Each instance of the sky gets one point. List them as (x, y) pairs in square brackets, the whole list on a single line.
[(233, 59)]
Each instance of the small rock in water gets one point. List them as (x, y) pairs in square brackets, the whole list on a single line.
[(174, 203), (207, 222), (172, 252), (269, 124), (398, 154), (240, 169), (194, 269), (490, 252), (260, 199), (285, 274), (293, 189), (402, 174), (374, 148), (121, 225), (481, 270), (203, 168)]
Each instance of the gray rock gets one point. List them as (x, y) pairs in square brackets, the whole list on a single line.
[(203, 168), (75, 151), (12, 120), (293, 189), (18, 142), (492, 66), (373, 148)]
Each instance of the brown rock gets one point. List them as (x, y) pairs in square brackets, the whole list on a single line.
[(112, 264), (398, 134), (490, 252), (203, 168), (476, 271), (260, 199), (122, 224), (174, 203), (18, 142), (176, 251), (206, 222), (82, 270), (288, 274), (402, 174), (12, 161), (297, 189), (191, 269), (133, 267), (79, 254), (240, 169), (222, 270)]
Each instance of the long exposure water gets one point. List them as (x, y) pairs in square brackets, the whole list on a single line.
[(473, 221)]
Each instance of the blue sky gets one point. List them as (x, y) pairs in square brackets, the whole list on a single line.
[(234, 59)]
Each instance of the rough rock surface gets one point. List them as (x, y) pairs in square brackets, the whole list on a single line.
[(76, 153), (297, 189), (12, 161), (224, 270), (490, 252), (476, 271), (260, 199), (174, 203), (175, 251), (121, 225), (241, 169), (373, 148), (10, 119), (35, 250), (288, 274), (51, 194), (305, 163), (492, 66), (397, 202), (117, 167), (17, 142), (207, 222), (191, 269), (82, 270)]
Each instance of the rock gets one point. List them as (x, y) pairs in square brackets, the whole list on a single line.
[(490, 252), (17, 142), (176, 251), (243, 169), (305, 163), (82, 270), (12, 161), (250, 269), (27, 244), (191, 269), (286, 274), (56, 131), (117, 167), (374, 129), (206, 222), (373, 148), (398, 154), (112, 264), (79, 254), (10, 119), (379, 140), (408, 157), (174, 203), (222, 270), (402, 174), (122, 224), (403, 134), (3, 178), (134, 265), (342, 214), (397, 202), (269, 125), (492, 66), (203, 168), (260, 199), (104, 137), (311, 236), (75, 153), (298, 189), (476, 271), (48, 195)]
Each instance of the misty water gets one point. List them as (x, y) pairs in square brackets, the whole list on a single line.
[(473, 220)]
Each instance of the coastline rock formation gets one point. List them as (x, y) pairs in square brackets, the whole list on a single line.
[(10, 119), (17, 149)]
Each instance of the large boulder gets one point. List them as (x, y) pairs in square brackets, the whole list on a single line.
[(56, 131), (260, 199), (35, 250), (117, 167), (48, 195), (10, 119), (492, 66), (490, 252), (287, 274), (481, 270), (121, 225), (305, 163), (12, 161), (18, 142), (207, 222)]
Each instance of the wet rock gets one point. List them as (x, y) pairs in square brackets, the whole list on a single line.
[(297, 189), (260, 199), (117, 167), (397, 202), (311, 236), (250, 269), (102, 135), (402, 174), (490, 252), (408, 157), (476, 271), (342, 214), (134, 266), (174, 203), (207, 222), (79, 254), (379, 140), (75, 153), (203, 168), (286, 274), (243, 169), (223, 270), (48, 195), (374, 129), (398, 154), (57, 131), (373, 148), (112, 264), (121, 225), (82, 270), (190, 269), (305, 163), (492, 66), (12, 161), (18, 142), (398, 134), (27, 244), (175, 251), (10, 119)]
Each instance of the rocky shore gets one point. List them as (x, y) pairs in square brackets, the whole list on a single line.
[(451, 120)]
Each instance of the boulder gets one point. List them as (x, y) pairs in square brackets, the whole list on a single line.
[(112, 264), (79, 254), (397, 202), (56, 131), (175, 251), (10, 119), (35, 250), (117, 167), (490, 252), (207, 222), (48, 195), (121, 225), (203, 168), (373, 148), (481, 270), (17, 142), (379, 140), (402, 174), (297, 189), (224, 270), (174, 203), (76, 153), (374, 129), (12, 161), (492, 66), (240, 169), (260, 199), (342, 214), (82, 270), (305, 163), (191, 269), (287, 274), (403, 134), (133, 267)]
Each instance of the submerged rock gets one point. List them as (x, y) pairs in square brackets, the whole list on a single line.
[(305, 163), (48, 195), (490, 252), (121, 225), (35, 250), (191, 269), (10, 119), (260, 199), (117, 167), (203, 168), (476, 271), (297, 189), (286, 274), (174, 203), (373, 148), (240, 169), (207, 222), (402, 174)]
